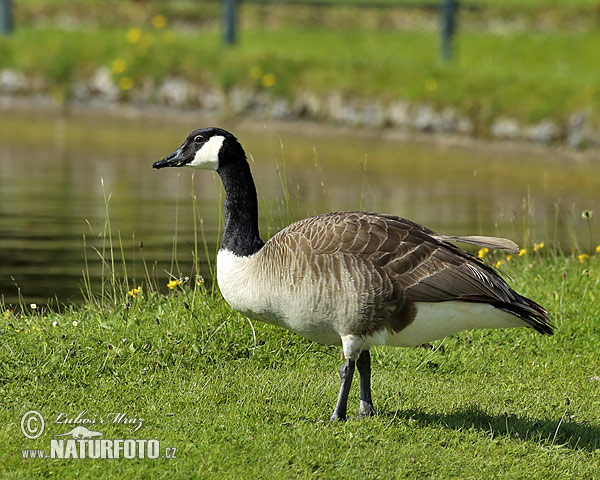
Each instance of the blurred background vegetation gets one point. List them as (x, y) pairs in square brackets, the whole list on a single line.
[(521, 69)]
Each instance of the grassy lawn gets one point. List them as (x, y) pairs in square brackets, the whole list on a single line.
[(243, 400)]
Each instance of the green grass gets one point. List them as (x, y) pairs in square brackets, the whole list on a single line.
[(246, 400), (529, 76)]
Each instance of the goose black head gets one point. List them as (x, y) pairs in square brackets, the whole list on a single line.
[(205, 148)]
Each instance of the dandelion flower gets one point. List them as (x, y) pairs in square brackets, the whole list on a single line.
[(267, 80), (118, 65), (482, 252), (509, 257), (125, 83), (431, 84), (597, 248), (134, 292), (583, 257), (133, 35), (499, 263), (522, 252), (159, 21), (75, 323), (173, 284), (538, 246)]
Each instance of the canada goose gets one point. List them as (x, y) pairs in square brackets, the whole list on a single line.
[(352, 278)]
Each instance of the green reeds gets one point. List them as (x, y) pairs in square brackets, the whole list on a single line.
[(117, 283), (117, 279)]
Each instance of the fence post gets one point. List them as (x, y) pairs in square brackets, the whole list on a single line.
[(229, 21), (449, 11), (6, 19)]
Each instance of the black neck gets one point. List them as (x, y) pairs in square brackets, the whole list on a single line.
[(241, 235)]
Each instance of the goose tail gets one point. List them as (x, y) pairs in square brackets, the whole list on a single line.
[(530, 312)]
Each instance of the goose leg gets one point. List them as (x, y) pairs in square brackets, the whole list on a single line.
[(346, 373), (365, 407)]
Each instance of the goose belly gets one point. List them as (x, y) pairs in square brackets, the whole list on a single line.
[(434, 321)]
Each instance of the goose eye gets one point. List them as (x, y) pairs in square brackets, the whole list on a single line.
[(198, 139)]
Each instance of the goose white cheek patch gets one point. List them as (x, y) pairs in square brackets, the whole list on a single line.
[(207, 157)]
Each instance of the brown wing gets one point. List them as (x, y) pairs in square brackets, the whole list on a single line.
[(408, 261), (425, 268)]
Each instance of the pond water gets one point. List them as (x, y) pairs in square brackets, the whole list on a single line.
[(72, 186)]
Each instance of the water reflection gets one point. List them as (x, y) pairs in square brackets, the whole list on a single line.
[(56, 195)]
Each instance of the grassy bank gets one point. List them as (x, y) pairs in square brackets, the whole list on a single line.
[(527, 76), (244, 400)]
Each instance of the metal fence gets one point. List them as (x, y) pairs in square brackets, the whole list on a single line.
[(6, 17)]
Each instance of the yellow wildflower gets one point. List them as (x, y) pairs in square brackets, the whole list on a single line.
[(597, 248), (134, 292), (509, 257), (431, 84), (499, 263), (159, 21), (268, 80), (173, 284), (522, 252), (125, 83), (118, 65), (583, 257), (133, 35), (538, 246), (482, 252)]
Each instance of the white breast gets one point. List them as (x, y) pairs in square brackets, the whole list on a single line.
[(267, 294), (239, 285)]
